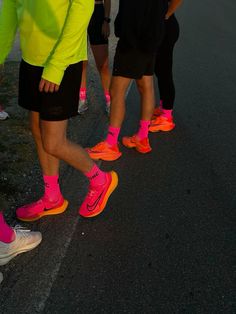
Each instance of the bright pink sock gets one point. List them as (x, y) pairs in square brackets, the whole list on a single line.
[(52, 187), (7, 235), (167, 113), (143, 129), (112, 135), (108, 97), (96, 176), (83, 93), (161, 104)]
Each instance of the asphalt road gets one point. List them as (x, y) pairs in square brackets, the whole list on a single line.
[(165, 243)]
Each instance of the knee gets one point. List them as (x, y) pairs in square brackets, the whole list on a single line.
[(52, 147), (145, 86)]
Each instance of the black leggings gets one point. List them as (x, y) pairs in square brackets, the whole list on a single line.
[(164, 63)]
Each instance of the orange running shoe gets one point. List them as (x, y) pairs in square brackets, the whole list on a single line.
[(104, 151), (156, 113), (142, 146), (97, 196), (161, 124)]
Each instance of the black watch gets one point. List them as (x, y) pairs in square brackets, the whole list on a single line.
[(107, 19)]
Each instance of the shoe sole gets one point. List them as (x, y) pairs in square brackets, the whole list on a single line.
[(144, 151), (133, 145), (105, 158), (54, 211), (163, 129), (112, 187), (6, 259)]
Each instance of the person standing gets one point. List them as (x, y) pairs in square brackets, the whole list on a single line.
[(53, 46), (98, 33), (162, 119)]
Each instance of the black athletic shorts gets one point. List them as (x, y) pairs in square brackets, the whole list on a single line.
[(95, 26), (132, 63), (56, 106)]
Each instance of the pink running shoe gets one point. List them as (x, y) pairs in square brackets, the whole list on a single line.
[(42, 207), (97, 197)]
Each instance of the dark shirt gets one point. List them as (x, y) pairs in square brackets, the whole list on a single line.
[(140, 24)]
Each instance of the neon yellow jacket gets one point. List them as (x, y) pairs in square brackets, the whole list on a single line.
[(53, 33)]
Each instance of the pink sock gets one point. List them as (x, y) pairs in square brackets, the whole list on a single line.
[(52, 187), (167, 113), (108, 97), (161, 104), (112, 135), (96, 176), (7, 235), (83, 93), (143, 129)]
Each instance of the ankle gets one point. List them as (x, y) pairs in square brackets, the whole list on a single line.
[(143, 129), (83, 93), (96, 176), (7, 234), (51, 187), (112, 136), (166, 113)]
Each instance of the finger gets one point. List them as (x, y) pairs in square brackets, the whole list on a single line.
[(46, 86), (41, 85), (51, 87), (56, 88)]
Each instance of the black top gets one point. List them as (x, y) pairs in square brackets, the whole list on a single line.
[(140, 24)]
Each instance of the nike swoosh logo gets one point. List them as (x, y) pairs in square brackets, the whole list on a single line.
[(90, 208)]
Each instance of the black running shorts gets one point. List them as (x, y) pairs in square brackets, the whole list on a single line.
[(132, 63), (95, 26), (56, 106)]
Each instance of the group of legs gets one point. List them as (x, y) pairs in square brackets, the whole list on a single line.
[(140, 68), (53, 145), (98, 33)]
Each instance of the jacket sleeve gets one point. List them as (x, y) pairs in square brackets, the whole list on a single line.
[(8, 27), (76, 24)]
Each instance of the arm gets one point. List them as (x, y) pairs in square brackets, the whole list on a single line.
[(8, 27), (107, 11), (79, 14), (173, 5)]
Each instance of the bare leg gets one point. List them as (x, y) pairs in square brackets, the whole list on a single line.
[(100, 53), (49, 163), (119, 87), (84, 75), (146, 90), (56, 144)]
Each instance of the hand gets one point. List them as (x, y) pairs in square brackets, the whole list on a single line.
[(105, 30), (1, 72), (46, 86)]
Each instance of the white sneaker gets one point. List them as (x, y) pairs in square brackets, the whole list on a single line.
[(83, 106), (25, 240), (3, 115)]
